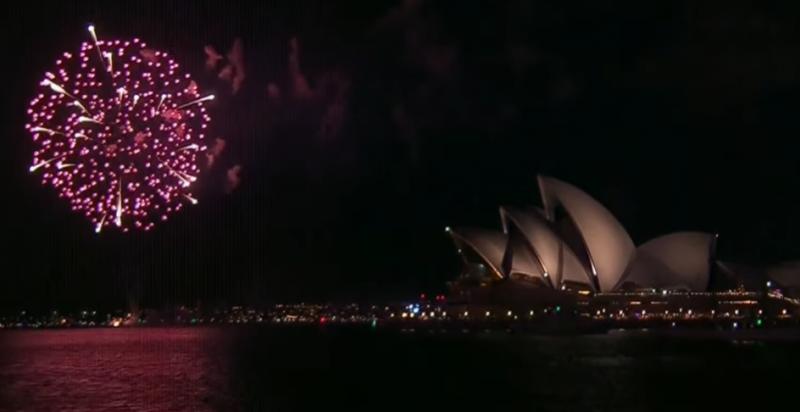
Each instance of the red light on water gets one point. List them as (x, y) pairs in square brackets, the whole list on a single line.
[(323, 320)]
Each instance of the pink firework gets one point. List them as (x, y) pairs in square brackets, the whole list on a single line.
[(118, 129)]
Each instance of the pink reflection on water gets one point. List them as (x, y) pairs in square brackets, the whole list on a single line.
[(137, 369)]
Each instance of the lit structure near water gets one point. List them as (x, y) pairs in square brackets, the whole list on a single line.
[(574, 251)]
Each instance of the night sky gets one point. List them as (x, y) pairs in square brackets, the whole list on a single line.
[(677, 115)]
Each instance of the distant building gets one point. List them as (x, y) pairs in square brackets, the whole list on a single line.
[(783, 278), (574, 247)]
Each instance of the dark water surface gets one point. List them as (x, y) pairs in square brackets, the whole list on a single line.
[(276, 369)]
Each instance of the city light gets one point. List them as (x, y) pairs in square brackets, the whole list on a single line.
[(629, 310)]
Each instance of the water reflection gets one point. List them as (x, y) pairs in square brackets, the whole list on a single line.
[(113, 370), (280, 369)]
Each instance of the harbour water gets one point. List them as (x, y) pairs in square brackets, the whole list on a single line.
[(280, 369)]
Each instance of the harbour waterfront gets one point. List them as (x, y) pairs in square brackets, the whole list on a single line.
[(280, 368)]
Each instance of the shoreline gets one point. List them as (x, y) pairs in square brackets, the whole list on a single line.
[(554, 329)]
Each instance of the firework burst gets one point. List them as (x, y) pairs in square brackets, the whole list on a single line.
[(118, 129)]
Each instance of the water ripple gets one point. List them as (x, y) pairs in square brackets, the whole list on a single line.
[(162, 370)]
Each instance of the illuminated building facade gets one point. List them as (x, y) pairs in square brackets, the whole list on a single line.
[(574, 250)]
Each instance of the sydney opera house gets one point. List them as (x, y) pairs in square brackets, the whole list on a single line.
[(573, 250)]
